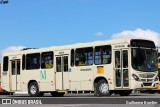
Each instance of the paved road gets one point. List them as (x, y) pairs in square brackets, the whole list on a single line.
[(89, 100)]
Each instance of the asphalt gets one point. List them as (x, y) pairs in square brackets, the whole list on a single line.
[(83, 100)]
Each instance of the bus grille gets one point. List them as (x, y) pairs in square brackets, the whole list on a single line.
[(147, 80), (147, 75)]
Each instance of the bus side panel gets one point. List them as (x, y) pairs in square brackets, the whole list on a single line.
[(81, 79), (47, 82), (105, 71), (44, 78)]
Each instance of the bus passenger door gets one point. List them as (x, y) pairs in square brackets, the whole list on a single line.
[(15, 75), (62, 76), (121, 68)]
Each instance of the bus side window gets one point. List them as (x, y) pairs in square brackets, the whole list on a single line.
[(33, 61), (102, 55), (5, 63), (47, 60), (84, 56), (23, 62), (72, 57)]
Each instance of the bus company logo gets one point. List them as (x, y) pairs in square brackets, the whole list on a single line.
[(43, 75), (6, 101)]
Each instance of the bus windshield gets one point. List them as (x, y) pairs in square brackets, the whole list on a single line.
[(144, 60)]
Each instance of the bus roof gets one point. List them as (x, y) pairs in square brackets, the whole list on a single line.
[(72, 46)]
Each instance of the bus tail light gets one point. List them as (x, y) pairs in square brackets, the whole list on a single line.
[(135, 77)]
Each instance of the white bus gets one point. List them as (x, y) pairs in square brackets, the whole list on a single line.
[(102, 67)]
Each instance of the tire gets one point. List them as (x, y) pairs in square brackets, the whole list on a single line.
[(56, 94), (102, 89), (33, 89), (125, 92)]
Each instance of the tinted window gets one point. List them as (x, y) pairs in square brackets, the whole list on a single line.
[(5, 63), (33, 61), (23, 62), (142, 43), (125, 59), (65, 59), (84, 56), (72, 57), (13, 68), (58, 64), (102, 55), (47, 60)]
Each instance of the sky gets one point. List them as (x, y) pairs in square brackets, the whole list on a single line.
[(44, 23)]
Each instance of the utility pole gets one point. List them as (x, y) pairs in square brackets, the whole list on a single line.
[(4, 1)]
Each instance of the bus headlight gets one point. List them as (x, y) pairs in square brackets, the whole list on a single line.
[(156, 79), (135, 77)]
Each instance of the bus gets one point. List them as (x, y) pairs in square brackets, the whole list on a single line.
[(152, 91), (158, 89), (101, 67)]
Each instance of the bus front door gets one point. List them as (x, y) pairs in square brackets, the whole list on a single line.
[(121, 68), (62, 76), (15, 75)]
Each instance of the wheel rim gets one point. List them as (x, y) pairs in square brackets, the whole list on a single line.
[(104, 88), (33, 89)]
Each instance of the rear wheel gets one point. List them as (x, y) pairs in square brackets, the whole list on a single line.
[(33, 90), (125, 92), (102, 88), (56, 94)]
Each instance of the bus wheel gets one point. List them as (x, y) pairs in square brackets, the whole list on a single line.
[(125, 92), (33, 89), (102, 88), (56, 94)]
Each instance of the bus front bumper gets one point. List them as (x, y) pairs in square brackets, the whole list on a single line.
[(144, 85)]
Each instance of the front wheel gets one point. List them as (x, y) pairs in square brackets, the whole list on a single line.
[(125, 92), (102, 88)]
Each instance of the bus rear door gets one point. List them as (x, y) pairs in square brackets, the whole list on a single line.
[(15, 74), (62, 81)]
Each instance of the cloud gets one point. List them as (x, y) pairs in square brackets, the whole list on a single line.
[(99, 34), (12, 49), (139, 33)]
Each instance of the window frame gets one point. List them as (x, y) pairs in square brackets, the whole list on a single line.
[(84, 50), (109, 46), (23, 62), (52, 59), (32, 65), (5, 68), (72, 56)]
